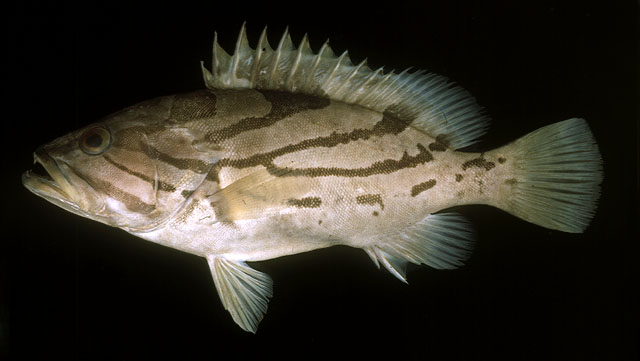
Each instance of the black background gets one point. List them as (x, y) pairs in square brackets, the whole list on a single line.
[(71, 288)]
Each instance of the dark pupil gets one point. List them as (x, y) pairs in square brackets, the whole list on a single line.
[(93, 141)]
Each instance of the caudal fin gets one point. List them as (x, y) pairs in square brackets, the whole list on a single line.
[(558, 173)]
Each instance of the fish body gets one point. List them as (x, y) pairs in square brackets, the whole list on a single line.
[(345, 176), (288, 151)]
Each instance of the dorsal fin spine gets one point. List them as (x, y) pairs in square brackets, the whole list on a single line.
[(217, 53), (316, 61), (350, 76), (330, 75), (358, 97), (262, 43), (296, 62), (241, 45), (277, 56)]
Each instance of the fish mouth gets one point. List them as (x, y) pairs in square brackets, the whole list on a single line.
[(47, 184), (58, 184)]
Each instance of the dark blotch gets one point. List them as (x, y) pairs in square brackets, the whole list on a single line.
[(440, 145), (186, 193), (308, 202), (375, 213), (501, 160), (459, 177), (419, 188), (479, 162), (370, 199), (390, 125)]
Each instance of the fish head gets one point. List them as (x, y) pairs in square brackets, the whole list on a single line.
[(133, 170)]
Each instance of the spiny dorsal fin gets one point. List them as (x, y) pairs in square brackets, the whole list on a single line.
[(437, 106)]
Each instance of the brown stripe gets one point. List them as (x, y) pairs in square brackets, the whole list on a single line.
[(386, 166), (130, 139), (166, 187), (370, 199), (194, 165), (388, 125), (308, 202), (132, 202), (283, 105), (419, 188)]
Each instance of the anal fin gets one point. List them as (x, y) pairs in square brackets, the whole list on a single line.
[(244, 292), (442, 241)]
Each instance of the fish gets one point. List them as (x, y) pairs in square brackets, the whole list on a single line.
[(288, 150)]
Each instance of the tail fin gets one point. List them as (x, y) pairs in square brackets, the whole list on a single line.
[(557, 176)]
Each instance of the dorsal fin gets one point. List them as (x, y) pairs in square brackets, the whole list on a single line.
[(435, 105)]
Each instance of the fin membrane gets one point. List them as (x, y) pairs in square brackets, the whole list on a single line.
[(557, 177), (442, 241), (436, 106), (244, 291)]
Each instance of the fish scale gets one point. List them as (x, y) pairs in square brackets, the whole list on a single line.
[(289, 151)]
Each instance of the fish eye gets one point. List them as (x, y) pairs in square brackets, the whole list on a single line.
[(95, 140)]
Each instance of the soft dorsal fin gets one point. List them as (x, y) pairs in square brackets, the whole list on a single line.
[(435, 105)]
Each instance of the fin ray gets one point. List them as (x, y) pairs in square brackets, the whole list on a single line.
[(557, 176), (244, 292)]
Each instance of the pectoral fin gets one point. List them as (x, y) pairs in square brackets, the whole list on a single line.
[(258, 194), (244, 291)]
